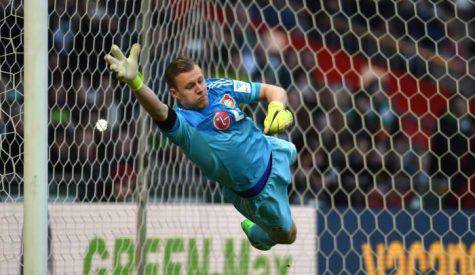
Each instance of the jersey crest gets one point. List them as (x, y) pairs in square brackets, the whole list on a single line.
[(228, 100)]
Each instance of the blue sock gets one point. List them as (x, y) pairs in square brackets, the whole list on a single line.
[(257, 235)]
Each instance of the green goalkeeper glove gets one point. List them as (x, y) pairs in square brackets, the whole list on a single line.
[(278, 118), (127, 69)]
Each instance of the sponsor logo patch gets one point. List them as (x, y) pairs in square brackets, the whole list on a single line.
[(221, 120), (241, 86), (238, 116), (228, 100)]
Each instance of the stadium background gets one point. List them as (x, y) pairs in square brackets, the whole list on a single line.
[(382, 93)]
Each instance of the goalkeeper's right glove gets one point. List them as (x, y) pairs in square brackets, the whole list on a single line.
[(278, 118), (127, 69)]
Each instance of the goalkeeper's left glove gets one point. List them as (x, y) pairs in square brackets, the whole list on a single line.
[(278, 118)]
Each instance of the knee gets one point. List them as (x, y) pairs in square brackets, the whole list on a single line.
[(286, 238), (289, 238), (292, 236)]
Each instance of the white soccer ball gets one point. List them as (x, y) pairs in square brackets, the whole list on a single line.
[(101, 125)]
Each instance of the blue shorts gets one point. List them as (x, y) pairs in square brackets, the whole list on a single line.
[(270, 208)]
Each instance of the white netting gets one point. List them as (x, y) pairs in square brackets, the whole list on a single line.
[(11, 128), (382, 93), (11, 100)]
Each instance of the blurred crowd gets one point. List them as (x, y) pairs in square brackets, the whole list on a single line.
[(353, 147)]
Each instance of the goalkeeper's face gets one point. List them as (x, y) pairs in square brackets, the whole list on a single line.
[(190, 89)]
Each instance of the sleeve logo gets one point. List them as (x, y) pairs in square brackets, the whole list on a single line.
[(241, 86)]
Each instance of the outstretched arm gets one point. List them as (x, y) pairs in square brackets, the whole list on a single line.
[(150, 102), (278, 118), (126, 70)]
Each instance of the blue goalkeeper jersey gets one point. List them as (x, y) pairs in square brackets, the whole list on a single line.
[(220, 139)]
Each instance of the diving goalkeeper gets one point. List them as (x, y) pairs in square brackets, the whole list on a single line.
[(206, 123)]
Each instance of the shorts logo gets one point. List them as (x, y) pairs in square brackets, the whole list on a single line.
[(228, 101), (221, 120)]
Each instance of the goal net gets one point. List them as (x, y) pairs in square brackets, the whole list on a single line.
[(382, 95)]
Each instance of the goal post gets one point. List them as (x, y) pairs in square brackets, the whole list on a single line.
[(35, 178)]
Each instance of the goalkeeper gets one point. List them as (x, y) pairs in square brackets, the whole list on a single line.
[(206, 123)]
